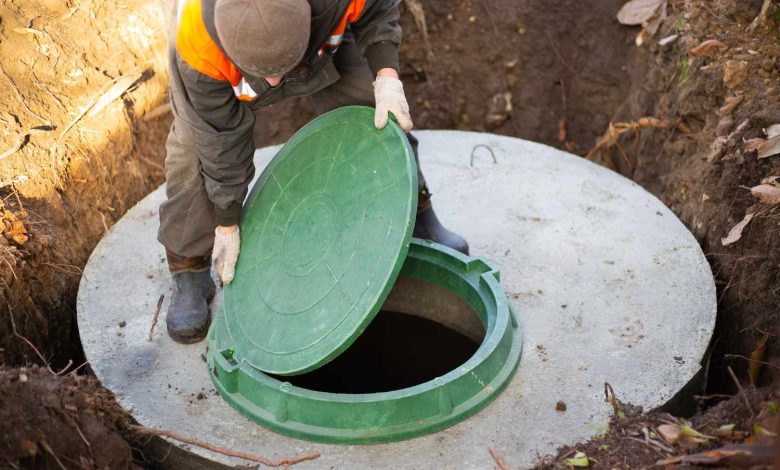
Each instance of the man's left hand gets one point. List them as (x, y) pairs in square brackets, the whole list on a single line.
[(389, 95)]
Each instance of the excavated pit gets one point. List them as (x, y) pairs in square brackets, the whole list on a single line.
[(555, 41)]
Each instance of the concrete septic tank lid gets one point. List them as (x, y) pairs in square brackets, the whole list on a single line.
[(608, 285), (324, 234), (393, 415)]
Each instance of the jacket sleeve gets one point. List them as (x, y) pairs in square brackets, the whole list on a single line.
[(222, 129), (378, 33)]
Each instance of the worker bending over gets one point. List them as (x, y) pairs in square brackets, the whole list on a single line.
[(230, 57)]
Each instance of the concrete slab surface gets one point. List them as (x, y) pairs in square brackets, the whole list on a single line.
[(608, 283)]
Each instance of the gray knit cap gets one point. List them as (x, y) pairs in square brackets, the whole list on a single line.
[(264, 37)]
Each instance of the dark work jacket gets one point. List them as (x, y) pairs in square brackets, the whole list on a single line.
[(221, 124)]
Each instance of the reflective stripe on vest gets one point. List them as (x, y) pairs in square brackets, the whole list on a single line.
[(352, 14), (199, 50), (243, 91)]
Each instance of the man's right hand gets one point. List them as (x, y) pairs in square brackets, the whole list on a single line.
[(227, 244)]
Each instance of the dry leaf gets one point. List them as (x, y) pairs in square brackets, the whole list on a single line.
[(668, 40), (762, 431), (692, 438), (579, 460), (731, 455), (638, 12), (728, 431), (752, 145), (670, 433), (13, 227), (684, 128), (708, 48), (651, 26), (18, 233), (769, 148), (562, 130), (735, 72), (757, 360), (730, 104), (772, 131), (117, 89), (736, 232), (767, 193), (500, 110), (770, 179), (717, 147)]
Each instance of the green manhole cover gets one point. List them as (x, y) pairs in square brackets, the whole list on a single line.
[(395, 415), (324, 235)]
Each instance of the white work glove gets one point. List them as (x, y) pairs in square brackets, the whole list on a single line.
[(226, 247), (389, 95)]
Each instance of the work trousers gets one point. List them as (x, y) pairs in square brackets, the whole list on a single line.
[(187, 219)]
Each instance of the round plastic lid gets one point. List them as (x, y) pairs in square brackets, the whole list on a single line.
[(324, 234)]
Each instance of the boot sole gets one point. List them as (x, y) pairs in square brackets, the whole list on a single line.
[(191, 339)]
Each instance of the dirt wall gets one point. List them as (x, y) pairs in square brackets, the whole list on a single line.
[(77, 80), (704, 174)]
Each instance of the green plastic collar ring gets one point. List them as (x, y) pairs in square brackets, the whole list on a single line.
[(395, 415)]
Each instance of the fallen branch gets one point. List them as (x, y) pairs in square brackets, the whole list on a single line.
[(285, 461), (23, 139), (648, 444), (157, 112), (48, 449), (616, 129), (741, 390), (18, 144), (737, 356), (152, 163), (112, 90), (498, 459), (24, 338), (418, 13), (763, 17), (156, 315)]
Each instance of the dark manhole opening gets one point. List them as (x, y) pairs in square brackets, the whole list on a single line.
[(396, 351)]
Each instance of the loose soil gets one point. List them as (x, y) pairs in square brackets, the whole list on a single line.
[(554, 72), (51, 422), (634, 442)]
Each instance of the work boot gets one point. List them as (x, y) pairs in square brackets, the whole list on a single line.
[(188, 315), (427, 225)]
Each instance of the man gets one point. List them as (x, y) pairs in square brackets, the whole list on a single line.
[(230, 57)]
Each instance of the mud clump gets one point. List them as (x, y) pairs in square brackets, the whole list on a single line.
[(59, 422)]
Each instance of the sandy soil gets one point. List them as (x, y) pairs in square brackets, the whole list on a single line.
[(66, 177)]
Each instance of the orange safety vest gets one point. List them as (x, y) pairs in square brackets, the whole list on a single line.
[(202, 53)]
